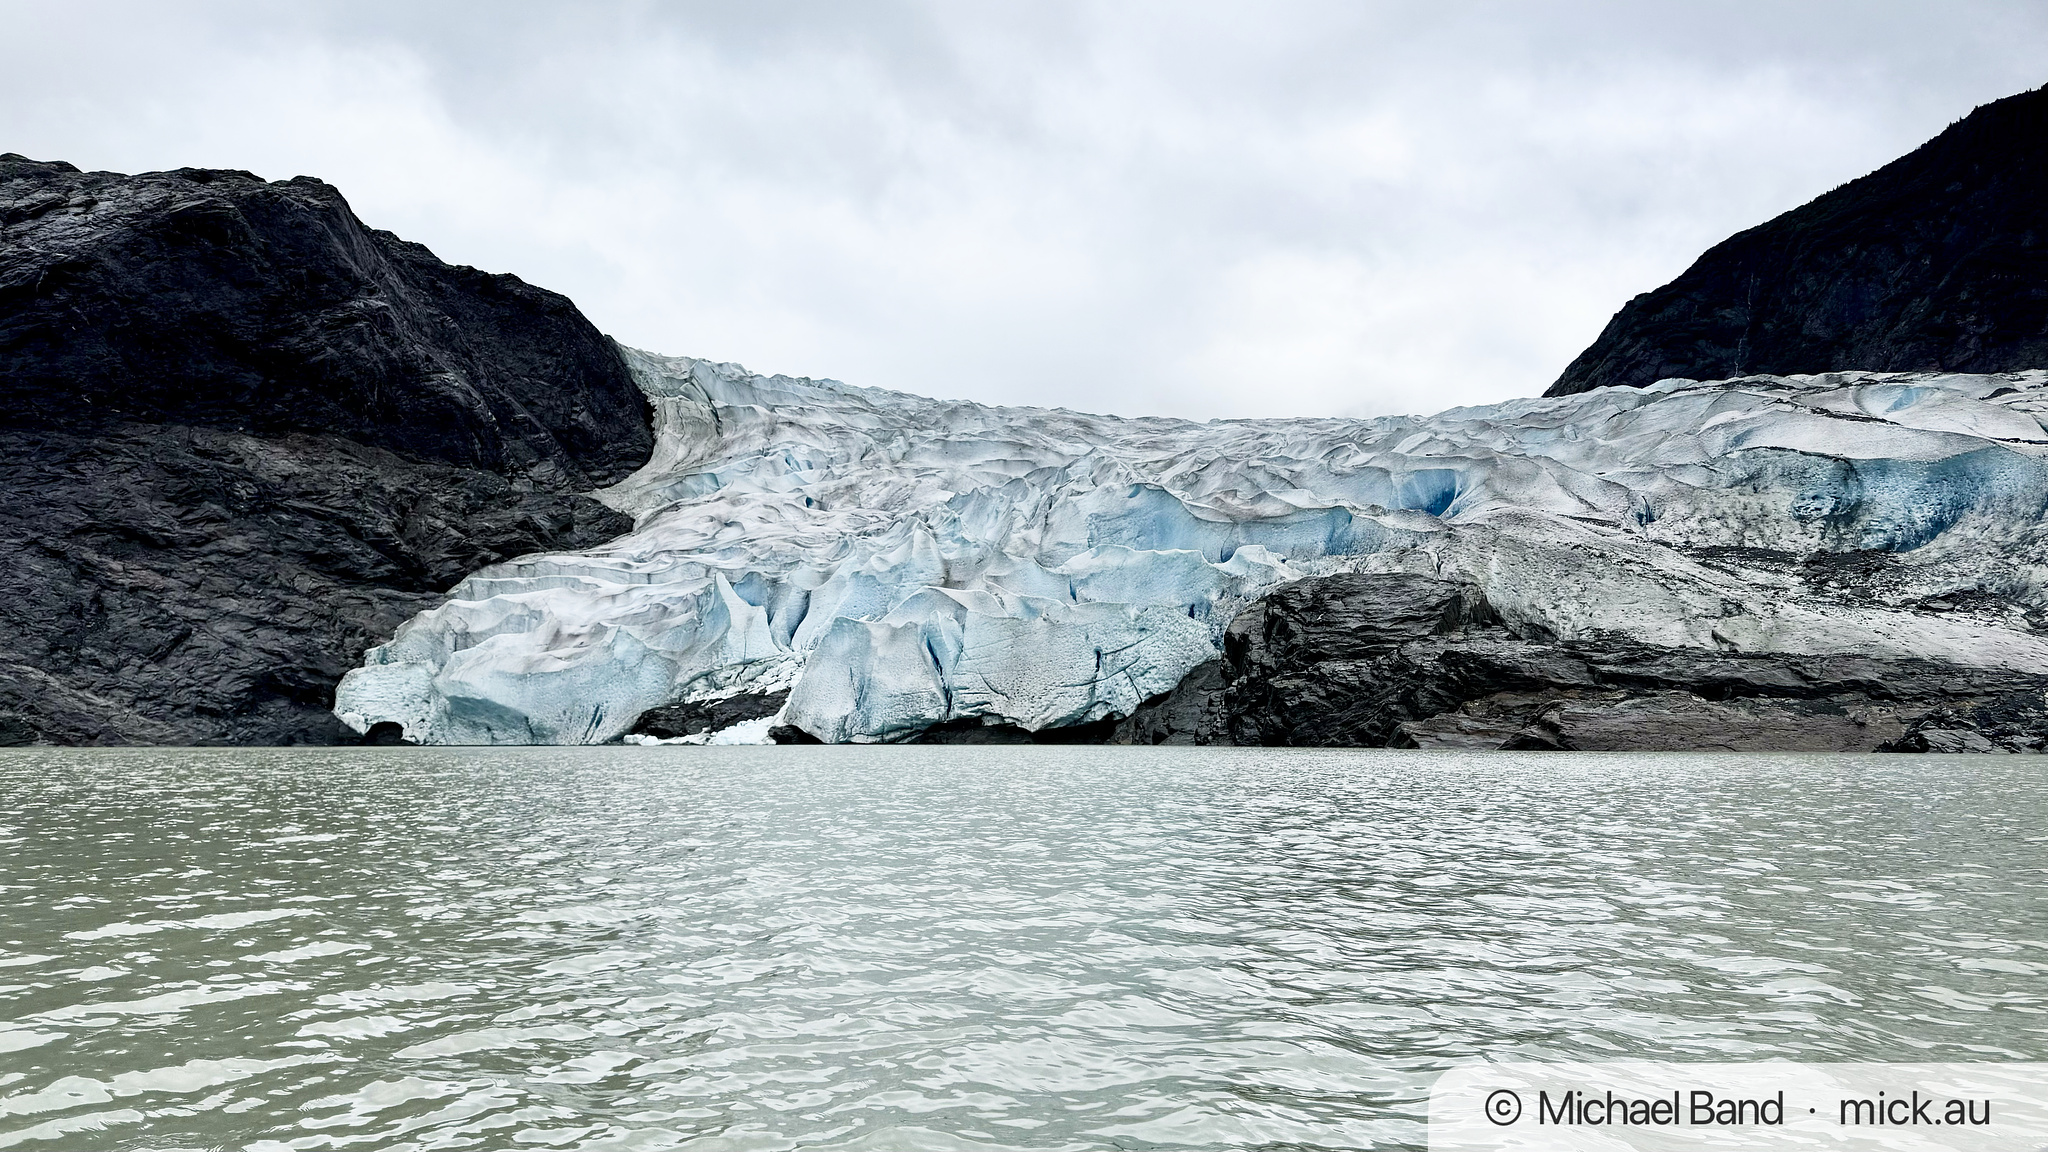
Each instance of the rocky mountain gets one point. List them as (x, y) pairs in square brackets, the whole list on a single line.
[(1404, 660), (246, 436), (1840, 561), (1937, 261)]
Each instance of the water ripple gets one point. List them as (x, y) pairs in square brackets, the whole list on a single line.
[(973, 948)]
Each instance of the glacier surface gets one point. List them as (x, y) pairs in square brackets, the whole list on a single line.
[(898, 562)]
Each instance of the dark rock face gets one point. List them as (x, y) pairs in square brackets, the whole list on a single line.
[(244, 437), (2011, 721), (218, 300), (1623, 721), (688, 719), (1190, 714), (1410, 661), (1319, 662), (173, 585), (1938, 260)]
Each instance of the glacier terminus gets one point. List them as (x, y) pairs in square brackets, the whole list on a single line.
[(896, 562)]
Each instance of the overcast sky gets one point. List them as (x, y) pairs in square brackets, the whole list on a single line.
[(1316, 208)]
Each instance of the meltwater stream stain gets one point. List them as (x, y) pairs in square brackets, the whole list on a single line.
[(969, 947)]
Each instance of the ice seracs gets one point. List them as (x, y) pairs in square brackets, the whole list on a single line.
[(901, 562)]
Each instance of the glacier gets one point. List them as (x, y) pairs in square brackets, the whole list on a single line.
[(897, 562)]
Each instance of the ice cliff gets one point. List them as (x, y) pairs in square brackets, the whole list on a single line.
[(901, 562)]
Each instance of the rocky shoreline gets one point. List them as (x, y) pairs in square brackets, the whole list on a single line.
[(1407, 661)]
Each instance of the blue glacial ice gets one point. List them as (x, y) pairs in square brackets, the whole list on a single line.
[(898, 561)]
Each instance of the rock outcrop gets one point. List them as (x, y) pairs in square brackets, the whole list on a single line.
[(696, 718), (1937, 261), (215, 299), (244, 437), (1403, 660), (1193, 713)]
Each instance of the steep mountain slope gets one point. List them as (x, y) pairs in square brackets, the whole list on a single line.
[(245, 435), (1937, 261)]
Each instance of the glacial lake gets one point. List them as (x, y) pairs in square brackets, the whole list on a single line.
[(968, 947)]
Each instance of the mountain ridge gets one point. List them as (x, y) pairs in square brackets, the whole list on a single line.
[(245, 436), (1937, 261)]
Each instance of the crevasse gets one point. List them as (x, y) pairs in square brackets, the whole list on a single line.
[(904, 561)]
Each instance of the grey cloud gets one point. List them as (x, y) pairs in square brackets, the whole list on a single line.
[(1197, 209)]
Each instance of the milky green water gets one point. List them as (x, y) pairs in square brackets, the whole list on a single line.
[(968, 947)]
